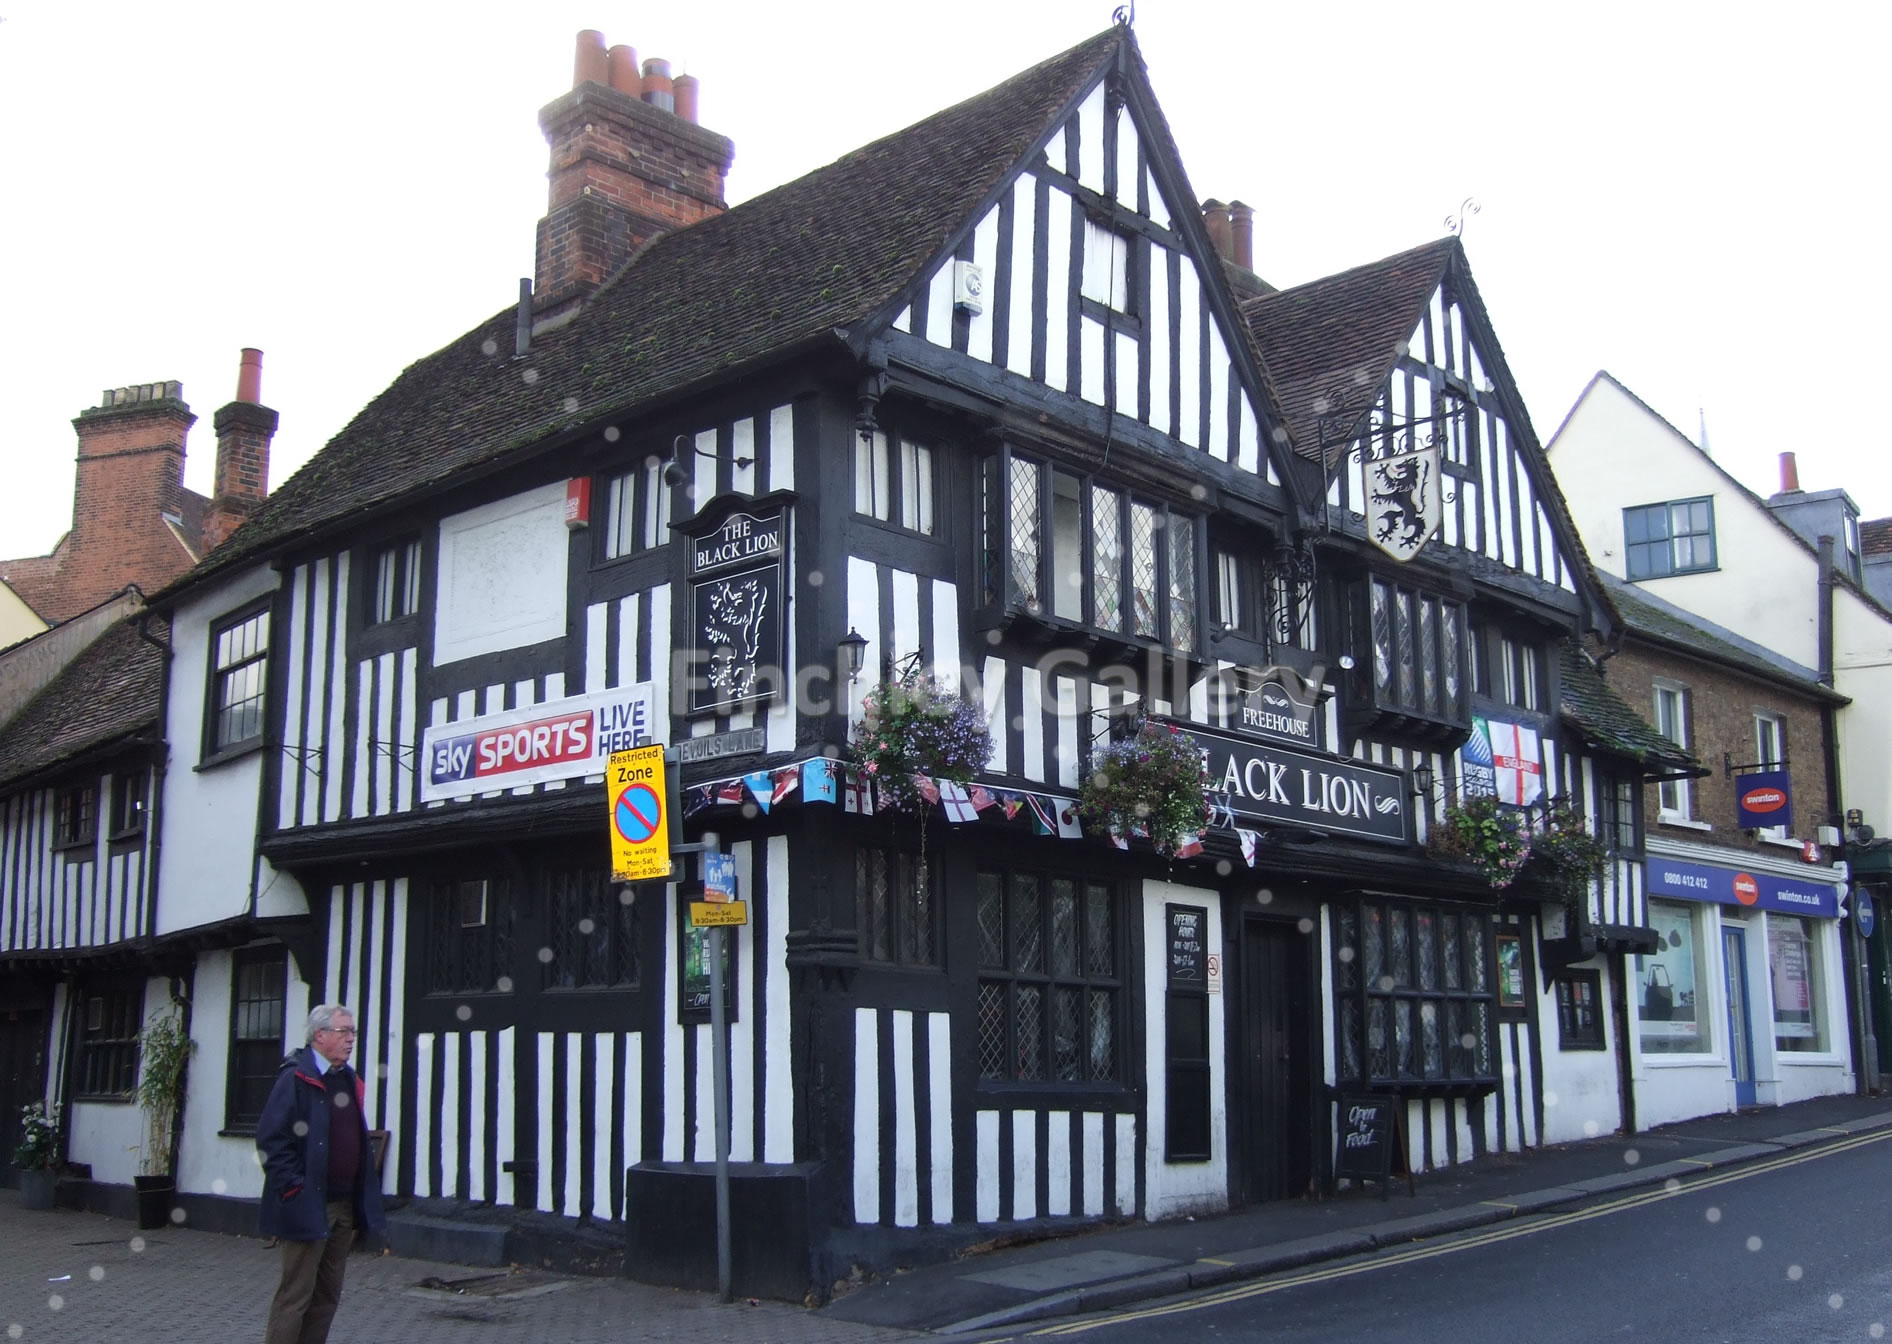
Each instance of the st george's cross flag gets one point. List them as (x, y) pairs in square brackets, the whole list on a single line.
[(958, 804), (857, 795), (1514, 758)]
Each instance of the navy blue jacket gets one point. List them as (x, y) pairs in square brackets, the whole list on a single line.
[(295, 1162)]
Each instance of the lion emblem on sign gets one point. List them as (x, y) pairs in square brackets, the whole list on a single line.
[(1403, 501), (734, 632)]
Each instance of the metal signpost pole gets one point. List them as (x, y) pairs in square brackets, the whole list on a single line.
[(719, 1046)]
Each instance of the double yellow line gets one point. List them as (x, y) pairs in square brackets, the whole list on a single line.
[(1506, 1232)]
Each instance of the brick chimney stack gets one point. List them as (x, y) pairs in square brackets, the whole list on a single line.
[(244, 430), (128, 495), (628, 162)]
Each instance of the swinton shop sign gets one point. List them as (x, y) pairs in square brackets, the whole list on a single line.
[(1259, 783)]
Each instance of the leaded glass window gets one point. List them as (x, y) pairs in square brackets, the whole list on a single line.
[(1050, 989), (1420, 1009), (896, 909)]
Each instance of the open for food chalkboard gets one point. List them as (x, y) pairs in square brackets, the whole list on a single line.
[(1367, 1140)]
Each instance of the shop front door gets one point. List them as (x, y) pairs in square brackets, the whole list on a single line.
[(22, 1076), (1282, 1049), (1740, 1033)]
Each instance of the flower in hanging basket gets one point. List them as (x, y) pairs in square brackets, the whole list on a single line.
[(1563, 852), (1494, 837), (1151, 782), (913, 726), (39, 1137)]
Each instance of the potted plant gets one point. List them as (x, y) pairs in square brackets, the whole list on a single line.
[(37, 1154), (1150, 782), (165, 1050), (911, 729)]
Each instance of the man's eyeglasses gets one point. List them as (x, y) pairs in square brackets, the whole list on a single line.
[(339, 1031)]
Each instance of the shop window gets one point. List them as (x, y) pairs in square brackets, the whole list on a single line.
[(108, 1043), (239, 662), (1580, 1010), (637, 510), (259, 987), (1050, 979), (77, 815), (1795, 975), (129, 788), (896, 908), (396, 582), (1416, 994), (893, 481), (1417, 652), (1677, 537), (469, 936), (1059, 545), (590, 932), (1671, 1010), (1671, 715)]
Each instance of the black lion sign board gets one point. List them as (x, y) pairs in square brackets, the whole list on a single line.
[(737, 551)]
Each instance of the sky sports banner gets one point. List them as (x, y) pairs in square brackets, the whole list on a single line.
[(1731, 886), (1763, 798), (559, 739)]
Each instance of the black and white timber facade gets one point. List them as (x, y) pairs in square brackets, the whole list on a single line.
[(1051, 446)]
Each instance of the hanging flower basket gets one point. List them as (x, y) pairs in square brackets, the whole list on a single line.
[(913, 727), (1507, 843), (1149, 783)]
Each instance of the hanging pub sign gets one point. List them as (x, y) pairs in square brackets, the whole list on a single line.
[(1404, 502), (1257, 782), (738, 549), (1762, 799)]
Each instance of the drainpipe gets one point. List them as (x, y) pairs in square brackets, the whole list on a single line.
[(1852, 959)]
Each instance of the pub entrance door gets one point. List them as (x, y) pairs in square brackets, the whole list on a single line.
[(1281, 1042), (22, 1076)]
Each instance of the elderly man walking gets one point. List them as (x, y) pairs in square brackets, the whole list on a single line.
[(319, 1181)]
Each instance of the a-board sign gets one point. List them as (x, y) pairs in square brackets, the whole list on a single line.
[(637, 790), (1188, 927), (1363, 1146)]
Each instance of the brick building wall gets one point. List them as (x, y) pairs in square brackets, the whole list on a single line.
[(1721, 705)]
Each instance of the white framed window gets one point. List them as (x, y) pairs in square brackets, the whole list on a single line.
[(1671, 720), (1770, 749), (1106, 266), (893, 481), (637, 510), (239, 663), (1677, 537), (396, 581)]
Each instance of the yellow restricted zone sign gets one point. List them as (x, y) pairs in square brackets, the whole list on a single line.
[(635, 787)]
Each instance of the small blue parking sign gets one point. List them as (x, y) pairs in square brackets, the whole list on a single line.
[(719, 877)]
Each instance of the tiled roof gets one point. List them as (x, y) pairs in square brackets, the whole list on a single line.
[(1651, 617), (697, 305), (1875, 536), (110, 691), (1604, 721), (1335, 339)]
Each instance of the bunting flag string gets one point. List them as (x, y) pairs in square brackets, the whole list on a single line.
[(1251, 841)]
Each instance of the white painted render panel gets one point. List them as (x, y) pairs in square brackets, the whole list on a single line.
[(939, 306), (1189, 355), (1058, 1164), (866, 1116), (742, 445), (1031, 711), (986, 1123), (292, 762), (1024, 214), (502, 575), (863, 614), (1161, 415), (778, 1137), (1057, 289), (782, 448), (945, 647), (906, 1186), (995, 711), (985, 255), (1090, 140), (939, 1096), (1093, 1125), (1024, 1164)]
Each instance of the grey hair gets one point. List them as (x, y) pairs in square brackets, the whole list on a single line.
[(322, 1017)]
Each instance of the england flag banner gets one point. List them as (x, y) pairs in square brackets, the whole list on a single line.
[(1515, 761)]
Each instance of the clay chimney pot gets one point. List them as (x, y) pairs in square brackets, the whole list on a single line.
[(250, 377), (591, 63), (1789, 474), (685, 88), (659, 92), (1215, 216), (1242, 234), (624, 76)]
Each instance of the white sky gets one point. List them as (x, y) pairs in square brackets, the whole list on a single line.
[(1687, 195)]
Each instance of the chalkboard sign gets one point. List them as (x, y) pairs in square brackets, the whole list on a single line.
[(1188, 945), (1367, 1129)]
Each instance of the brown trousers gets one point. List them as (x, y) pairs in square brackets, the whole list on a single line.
[(311, 1286)]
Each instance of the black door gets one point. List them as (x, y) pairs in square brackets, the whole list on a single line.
[(22, 1077), (1282, 1045)]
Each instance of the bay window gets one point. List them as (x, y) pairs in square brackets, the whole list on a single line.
[(1416, 645), (1415, 994), (1066, 546)]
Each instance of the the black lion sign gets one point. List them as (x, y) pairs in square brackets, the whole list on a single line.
[(1403, 505)]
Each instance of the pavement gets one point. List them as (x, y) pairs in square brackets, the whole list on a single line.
[(69, 1276), (1109, 1268)]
